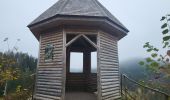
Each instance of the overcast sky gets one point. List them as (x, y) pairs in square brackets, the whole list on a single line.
[(141, 17)]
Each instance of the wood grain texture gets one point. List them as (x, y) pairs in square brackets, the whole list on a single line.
[(50, 73), (52, 78), (109, 67)]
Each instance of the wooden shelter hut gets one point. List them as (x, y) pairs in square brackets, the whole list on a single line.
[(77, 26)]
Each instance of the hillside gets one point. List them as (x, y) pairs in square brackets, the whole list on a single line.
[(139, 73), (132, 69)]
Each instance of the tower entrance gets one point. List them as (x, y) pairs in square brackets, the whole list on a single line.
[(81, 69)]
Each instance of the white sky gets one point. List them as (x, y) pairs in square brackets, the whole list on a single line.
[(141, 17), (76, 62)]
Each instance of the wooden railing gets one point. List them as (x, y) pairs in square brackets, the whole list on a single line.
[(132, 90)]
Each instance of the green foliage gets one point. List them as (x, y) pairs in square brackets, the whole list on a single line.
[(18, 89), (24, 69), (141, 63), (9, 68), (148, 60), (151, 61), (158, 63), (164, 25), (166, 44), (156, 60), (163, 18), (166, 38), (21, 93), (150, 48), (154, 64), (154, 55), (165, 31)]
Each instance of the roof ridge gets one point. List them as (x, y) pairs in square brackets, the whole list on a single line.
[(35, 20), (108, 13), (75, 8)]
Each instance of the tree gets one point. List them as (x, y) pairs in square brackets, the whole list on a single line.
[(8, 67), (159, 62), (17, 72), (8, 70)]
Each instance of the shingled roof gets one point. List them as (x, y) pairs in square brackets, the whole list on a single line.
[(86, 8)]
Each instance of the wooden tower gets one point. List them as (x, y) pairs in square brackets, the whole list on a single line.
[(77, 26)]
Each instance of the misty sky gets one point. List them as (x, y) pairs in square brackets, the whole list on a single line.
[(141, 17)]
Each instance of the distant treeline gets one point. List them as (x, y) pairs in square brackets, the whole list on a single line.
[(25, 62)]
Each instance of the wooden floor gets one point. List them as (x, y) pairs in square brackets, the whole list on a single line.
[(80, 96)]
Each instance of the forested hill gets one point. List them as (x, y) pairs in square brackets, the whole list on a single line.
[(132, 69), (141, 74), (25, 62)]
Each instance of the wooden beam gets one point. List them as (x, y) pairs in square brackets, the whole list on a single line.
[(91, 42), (67, 61), (64, 66), (74, 39), (80, 32), (98, 68), (38, 63)]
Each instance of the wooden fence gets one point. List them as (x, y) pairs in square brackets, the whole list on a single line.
[(132, 90)]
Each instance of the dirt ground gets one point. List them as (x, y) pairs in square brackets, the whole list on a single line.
[(80, 96)]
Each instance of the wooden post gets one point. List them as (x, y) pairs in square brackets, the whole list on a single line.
[(125, 88), (38, 62), (86, 66), (99, 97), (87, 62), (33, 88), (64, 65), (68, 61), (121, 83)]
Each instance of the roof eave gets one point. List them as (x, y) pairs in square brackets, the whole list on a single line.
[(76, 16), (56, 19)]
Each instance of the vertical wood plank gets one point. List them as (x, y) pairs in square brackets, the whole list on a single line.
[(98, 67), (108, 55), (45, 71), (37, 68), (64, 64), (67, 61)]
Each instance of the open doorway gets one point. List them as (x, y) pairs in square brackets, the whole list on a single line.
[(81, 67)]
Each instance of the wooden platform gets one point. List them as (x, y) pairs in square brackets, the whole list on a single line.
[(80, 96)]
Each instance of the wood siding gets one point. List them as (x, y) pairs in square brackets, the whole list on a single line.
[(81, 82), (75, 82), (109, 70), (91, 82), (50, 73)]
